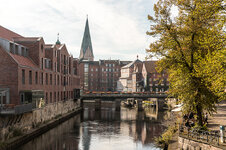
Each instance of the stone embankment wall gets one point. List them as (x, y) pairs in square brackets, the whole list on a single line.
[(187, 144), (35, 118)]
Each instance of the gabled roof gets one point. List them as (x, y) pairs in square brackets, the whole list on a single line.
[(59, 46), (23, 61), (138, 67), (150, 66), (8, 34), (49, 46), (132, 63)]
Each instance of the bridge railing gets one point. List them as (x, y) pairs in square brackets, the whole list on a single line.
[(123, 93)]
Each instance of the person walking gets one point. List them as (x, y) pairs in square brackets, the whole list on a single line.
[(206, 118)]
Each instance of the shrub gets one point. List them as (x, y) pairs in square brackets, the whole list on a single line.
[(165, 138), (17, 132)]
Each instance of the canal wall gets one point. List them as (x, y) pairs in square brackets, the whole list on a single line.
[(16, 125), (187, 144)]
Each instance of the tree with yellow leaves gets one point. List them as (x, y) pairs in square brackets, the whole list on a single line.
[(191, 47)]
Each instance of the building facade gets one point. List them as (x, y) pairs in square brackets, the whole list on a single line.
[(33, 71), (100, 75), (141, 76), (153, 80), (125, 81)]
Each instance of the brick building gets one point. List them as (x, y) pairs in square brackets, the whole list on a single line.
[(100, 75), (153, 80), (32, 71)]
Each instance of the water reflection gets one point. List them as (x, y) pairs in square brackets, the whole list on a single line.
[(106, 129)]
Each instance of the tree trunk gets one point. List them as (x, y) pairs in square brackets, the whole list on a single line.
[(199, 114)]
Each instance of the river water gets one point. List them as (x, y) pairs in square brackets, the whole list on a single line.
[(106, 129)]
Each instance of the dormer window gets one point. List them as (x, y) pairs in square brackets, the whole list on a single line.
[(16, 49), (22, 51)]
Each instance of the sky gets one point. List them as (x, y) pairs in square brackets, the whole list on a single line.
[(118, 27)]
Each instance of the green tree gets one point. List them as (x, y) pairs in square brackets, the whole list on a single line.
[(191, 47)]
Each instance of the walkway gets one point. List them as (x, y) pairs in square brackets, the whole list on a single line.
[(218, 118)]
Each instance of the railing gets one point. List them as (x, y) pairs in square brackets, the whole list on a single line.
[(18, 109), (210, 137)]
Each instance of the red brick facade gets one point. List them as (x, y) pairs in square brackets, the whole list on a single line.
[(28, 64), (100, 75)]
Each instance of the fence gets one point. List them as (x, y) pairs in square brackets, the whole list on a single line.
[(210, 137)]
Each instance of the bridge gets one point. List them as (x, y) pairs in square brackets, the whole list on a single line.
[(96, 98), (121, 96)]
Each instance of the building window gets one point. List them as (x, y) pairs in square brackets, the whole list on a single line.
[(50, 99), (54, 97), (23, 76), (36, 77), (58, 80), (30, 77), (55, 79), (41, 78), (46, 78), (46, 97), (16, 49), (50, 79), (22, 98), (42, 63), (42, 47)]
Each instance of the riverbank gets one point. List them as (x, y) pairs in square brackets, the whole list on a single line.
[(216, 120), (172, 122), (31, 134)]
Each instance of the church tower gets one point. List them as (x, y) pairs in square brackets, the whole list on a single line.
[(86, 52)]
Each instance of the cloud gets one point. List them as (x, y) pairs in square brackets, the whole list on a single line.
[(117, 27)]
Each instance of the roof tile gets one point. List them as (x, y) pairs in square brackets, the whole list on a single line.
[(23, 61), (7, 34)]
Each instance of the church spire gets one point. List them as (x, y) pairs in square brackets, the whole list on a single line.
[(58, 41), (86, 51)]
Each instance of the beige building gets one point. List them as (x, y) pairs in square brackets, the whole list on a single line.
[(125, 81), (140, 76)]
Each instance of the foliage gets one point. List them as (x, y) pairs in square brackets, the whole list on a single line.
[(17, 132), (200, 128), (191, 47), (165, 138), (2, 145)]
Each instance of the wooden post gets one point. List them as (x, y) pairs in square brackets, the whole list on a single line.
[(97, 104), (139, 105)]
